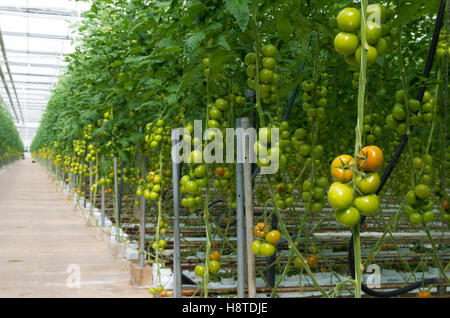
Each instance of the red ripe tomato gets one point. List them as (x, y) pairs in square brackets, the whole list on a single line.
[(372, 158), (342, 168)]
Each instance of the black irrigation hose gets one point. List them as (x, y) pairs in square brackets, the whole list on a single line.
[(391, 165)]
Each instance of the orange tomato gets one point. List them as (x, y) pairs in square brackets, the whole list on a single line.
[(220, 171), (261, 229), (214, 256), (312, 260), (372, 158), (342, 168), (424, 294)]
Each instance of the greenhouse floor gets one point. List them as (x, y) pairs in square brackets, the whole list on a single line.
[(45, 247)]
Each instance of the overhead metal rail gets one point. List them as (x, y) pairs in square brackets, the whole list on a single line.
[(33, 52), (61, 13), (31, 74), (43, 65), (5, 58), (33, 83), (38, 35)]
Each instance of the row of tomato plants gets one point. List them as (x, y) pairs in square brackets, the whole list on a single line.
[(142, 69)]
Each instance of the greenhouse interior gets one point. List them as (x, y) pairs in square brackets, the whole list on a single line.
[(256, 149)]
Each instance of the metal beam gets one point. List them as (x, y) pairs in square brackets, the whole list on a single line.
[(34, 64), (62, 13), (33, 83), (8, 93), (34, 52), (38, 35), (2, 44), (28, 74)]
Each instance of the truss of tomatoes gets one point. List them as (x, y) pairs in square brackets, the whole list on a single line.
[(379, 33), (349, 208), (271, 238)]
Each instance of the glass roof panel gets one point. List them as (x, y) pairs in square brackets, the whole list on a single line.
[(36, 34)]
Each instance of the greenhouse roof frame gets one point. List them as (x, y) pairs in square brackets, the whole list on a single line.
[(37, 35)]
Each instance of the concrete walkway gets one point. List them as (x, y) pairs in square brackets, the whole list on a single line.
[(43, 243)]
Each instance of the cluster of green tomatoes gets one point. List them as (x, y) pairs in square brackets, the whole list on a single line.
[(379, 33), (421, 114)]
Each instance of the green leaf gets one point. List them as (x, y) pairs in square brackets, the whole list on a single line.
[(222, 42), (194, 40), (239, 9)]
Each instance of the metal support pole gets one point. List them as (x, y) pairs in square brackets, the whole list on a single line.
[(116, 199), (102, 204), (240, 225), (142, 257), (248, 195), (177, 288), (91, 181), (119, 210)]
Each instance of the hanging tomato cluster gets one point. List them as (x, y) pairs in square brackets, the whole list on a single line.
[(425, 112), (340, 195), (271, 238), (379, 33)]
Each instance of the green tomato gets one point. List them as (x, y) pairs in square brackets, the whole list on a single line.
[(215, 113), (213, 267), (266, 76), (267, 249), (200, 171), (373, 32), (409, 210), (200, 270), (340, 196), (349, 20), (221, 104), (269, 50), (346, 43), (196, 156), (367, 205), (298, 262), (422, 191), (250, 58), (348, 216), (191, 187), (372, 55), (255, 247), (264, 135), (322, 182), (428, 216), (368, 184), (415, 218), (268, 62)]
